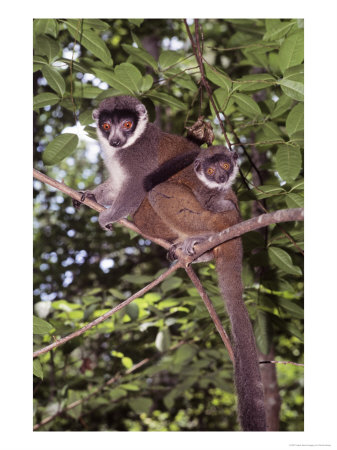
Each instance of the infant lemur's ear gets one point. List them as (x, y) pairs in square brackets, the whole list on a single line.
[(95, 114), (197, 165)]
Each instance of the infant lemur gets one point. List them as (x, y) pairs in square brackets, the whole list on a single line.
[(184, 209)]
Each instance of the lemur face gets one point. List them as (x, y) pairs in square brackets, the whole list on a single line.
[(120, 122), (216, 171), (117, 126)]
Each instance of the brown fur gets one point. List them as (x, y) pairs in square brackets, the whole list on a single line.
[(171, 211)]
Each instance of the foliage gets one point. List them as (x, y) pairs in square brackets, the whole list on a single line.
[(255, 68)]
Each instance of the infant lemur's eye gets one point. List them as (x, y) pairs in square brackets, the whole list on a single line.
[(210, 171), (106, 126), (225, 166), (127, 124)]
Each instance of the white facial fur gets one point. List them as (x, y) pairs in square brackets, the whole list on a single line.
[(117, 173), (221, 186)]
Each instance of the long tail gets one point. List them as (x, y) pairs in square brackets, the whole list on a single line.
[(251, 408)]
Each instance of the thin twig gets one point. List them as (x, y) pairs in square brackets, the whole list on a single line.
[(217, 322), (281, 362)]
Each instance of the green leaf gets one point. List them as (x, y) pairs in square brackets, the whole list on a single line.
[(61, 147), (277, 30), (292, 84), (283, 104), (47, 46), (46, 26), (83, 91), (63, 305), (96, 24), (254, 82), (91, 132), (184, 354), (126, 78), (292, 50), (136, 22), (85, 117), (290, 305), (77, 65), (282, 260), (37, 368), (141, 405), (218, 77), (40, 61), (130, 387), (294, 331), (54, 79), (46, 99), (288, 162), (295, 120), (266, 191), (221, 100), (137, 279), (128, 74), (127, 362), (141, 56), (146, 83), (89, 40), (168, 58), (41, 326), (263, 331), (271, 130), (167, 100), (74, 396), (171, 283), (295, 200), (163, 340), (132, 311), (294, 89), (247, 105)]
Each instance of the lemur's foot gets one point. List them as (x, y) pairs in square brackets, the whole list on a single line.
[(85, 194), (186, 246)]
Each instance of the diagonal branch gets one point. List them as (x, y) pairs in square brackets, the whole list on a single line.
[(261, 221)]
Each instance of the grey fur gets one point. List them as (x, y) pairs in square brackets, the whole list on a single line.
[(127, 164)]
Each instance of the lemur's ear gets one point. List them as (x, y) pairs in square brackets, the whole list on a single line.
[(197, 165), (95, 114)]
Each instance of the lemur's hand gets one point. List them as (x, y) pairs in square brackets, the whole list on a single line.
[(85, 194)]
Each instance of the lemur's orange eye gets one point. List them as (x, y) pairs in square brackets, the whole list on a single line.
[(225, 166), (210, 171), (127, 124), (106, 126)]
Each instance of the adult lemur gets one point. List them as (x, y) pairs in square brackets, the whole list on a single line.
[(174, 210), (132, 148)]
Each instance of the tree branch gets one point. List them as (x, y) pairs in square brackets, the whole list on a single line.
[(282, 215)]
